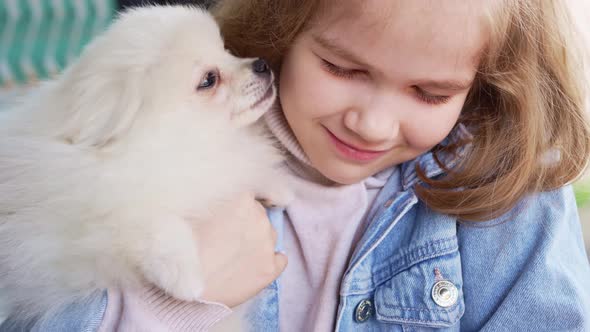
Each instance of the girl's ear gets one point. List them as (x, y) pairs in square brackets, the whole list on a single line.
[(98, 106)]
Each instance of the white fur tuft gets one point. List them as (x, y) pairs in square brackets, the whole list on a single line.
[(101, 170)]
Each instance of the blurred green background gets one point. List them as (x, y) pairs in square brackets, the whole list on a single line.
[(39, 37)]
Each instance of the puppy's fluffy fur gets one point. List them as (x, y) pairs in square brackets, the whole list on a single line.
[(103, 170)]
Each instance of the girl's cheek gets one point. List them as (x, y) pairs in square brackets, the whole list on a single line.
[(307, 86), (323, 95), (328, 96), (430, 126)]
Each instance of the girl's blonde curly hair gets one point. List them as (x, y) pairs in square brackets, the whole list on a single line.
[(526, 108)]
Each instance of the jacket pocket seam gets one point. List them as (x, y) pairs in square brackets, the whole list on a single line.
[(443, 246), (450, 309), (439, 323)]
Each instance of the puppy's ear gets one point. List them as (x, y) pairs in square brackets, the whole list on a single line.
[(100, 105)]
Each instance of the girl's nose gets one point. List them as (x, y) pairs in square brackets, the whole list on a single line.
[(373, 126)]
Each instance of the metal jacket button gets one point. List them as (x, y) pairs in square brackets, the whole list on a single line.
[(364, 311), (444, 293)]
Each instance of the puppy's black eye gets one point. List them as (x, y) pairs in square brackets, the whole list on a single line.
[(209, 80)]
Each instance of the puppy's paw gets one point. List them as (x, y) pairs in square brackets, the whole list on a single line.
[(177, 277), (172, 263)]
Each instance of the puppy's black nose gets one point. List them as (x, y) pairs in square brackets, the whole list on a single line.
[(261, 67)]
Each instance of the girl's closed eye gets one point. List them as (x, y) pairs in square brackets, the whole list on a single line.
[(348, 73), (429, 98), (339, 71)]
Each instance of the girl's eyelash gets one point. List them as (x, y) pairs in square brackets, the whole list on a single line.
[(429, 98), (351, 73), (339, 71)]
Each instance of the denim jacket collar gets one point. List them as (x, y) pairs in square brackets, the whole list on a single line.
[(427, 161)]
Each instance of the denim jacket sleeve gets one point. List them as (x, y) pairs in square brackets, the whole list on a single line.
[(527, 270), (83, 316)]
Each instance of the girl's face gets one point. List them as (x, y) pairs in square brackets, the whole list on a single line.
[(373, 84)]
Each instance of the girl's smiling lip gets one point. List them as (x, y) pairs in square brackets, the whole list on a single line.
[(352, 152)]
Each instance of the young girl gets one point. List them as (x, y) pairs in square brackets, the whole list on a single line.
[(430, 146)]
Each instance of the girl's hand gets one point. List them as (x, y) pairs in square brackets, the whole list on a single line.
[(237, 253)]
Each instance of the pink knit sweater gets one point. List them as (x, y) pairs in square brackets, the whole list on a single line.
[(150, 309)]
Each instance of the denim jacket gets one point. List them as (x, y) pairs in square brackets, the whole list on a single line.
[(418, 270)]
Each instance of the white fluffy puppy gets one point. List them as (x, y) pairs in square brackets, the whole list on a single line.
[(102, 169)]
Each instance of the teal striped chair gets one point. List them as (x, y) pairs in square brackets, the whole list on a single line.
[(38, 38)]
